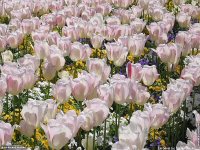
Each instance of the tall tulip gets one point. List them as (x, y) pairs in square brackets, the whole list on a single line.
[(62, 90), (6, 132), (33, 112)]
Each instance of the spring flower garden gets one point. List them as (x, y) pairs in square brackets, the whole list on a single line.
[(100, 74)]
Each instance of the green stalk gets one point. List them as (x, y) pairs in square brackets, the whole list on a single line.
[(184, 120), (104, 135), (94, 139), (14, 103), (34, 138), (173, 140), (87, 141), (116, 126), (7, 105)]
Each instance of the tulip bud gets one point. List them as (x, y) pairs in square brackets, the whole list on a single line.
[(33, 112), (62, 90), (80, 88), (41, 49), (116, 53), (14, 84), (149, 74), (6, 133), (99, 67), (96, 41)]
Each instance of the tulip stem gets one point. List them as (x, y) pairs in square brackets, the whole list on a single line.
[(173, 142), (104, 140), (116, 126), (94, 139), (34, 138), (7, 107), (87, 140), (184, 122), (27, 95), (48, 89), (41, 69), (14, 100)]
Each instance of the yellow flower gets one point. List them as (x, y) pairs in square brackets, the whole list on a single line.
[(162, 142)]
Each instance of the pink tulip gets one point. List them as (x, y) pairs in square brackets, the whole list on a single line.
[(116, 53), (41, 49), (159, 115), (105, 93), (136, 44), (26, 129), (138, 25), (56, 58), (172, 99), (27, 26), (100, 110), (6, 132), (70, 32), (96, 41), (80, 88), (79, 51), (133, 91), (33, 112), (175, 53), (99, 67), (12, 40), (142, 95), (60, 20), (49, 71), (93, 82), (143, 4), (164, 52), (121, 91), (64, 44), (113, 20), (92, 115), (156, 12), (134, 71), (185, 85), (71, 120), (3, 87), (149, 74), (183, 20), (39, 35), (104, 9), (51, 109), (184, 41), (52, 38), (29, 78), (29, 61), (62, 90), (87, 119), (36, 22), (14, 84), (123, 40), (191, 73), (57, 133)]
